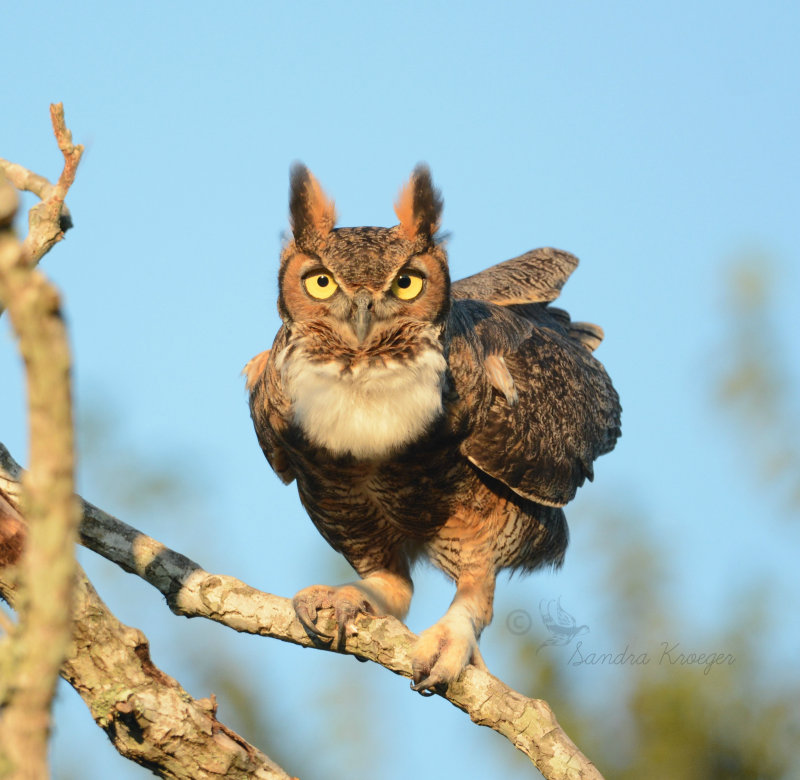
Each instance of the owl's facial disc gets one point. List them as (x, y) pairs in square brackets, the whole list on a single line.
[(361, 314)]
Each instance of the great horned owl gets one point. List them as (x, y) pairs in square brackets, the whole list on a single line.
[(422, 418)]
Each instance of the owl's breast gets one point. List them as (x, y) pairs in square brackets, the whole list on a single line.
[(366, 408)]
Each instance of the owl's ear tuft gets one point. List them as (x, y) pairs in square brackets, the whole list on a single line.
[(419, 205), (312, 212)]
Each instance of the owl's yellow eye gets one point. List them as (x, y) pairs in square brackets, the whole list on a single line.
[(320, 285), (407, 285)]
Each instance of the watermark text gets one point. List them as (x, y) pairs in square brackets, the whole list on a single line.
[(563, 629)]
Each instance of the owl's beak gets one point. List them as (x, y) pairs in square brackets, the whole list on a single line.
[(361, 316)]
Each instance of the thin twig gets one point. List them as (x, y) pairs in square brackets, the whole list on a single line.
[(50, 219), (46, 226)]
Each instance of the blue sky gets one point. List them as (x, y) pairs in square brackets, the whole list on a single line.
[(658, 142)]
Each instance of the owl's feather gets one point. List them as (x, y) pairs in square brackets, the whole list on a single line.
[(419, 206), (312, 212), (567, 412), (254, 368), (270, 409), (367, 411), (535, 277), (585, 333)]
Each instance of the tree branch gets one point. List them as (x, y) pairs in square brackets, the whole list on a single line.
[(147, 715), (529, 724), (34, 652), (28, 181)]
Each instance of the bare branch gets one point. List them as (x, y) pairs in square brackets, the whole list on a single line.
[(529, 724), (9, 203), (48, 221), (36, 648), (26, 180), (45, 223), (147, 715)]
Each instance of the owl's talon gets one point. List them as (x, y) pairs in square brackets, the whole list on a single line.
[(441, 653), (433, 681), (307, 604), (347, 602), (425, 687), (341, 631), (314, 634)]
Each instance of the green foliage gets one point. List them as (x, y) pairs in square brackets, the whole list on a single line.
[(754, 386), (668, 721)]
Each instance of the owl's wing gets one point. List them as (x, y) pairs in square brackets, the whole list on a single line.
[(542, 407), (535, 277), (269, 409)]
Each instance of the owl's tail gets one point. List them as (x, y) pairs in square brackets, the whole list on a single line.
[(587, 334)]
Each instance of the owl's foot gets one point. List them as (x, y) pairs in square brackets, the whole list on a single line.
[(441, 653), (347, 602)]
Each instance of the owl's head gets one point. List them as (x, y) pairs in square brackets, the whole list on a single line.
[(362, 281)]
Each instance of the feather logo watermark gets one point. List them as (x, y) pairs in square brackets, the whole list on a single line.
[(562, 626), (563, 629)]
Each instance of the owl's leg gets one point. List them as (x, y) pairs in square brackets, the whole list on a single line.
[(443, 651), (382, 592)]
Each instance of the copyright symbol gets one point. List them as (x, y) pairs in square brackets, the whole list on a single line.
[(518, 622)]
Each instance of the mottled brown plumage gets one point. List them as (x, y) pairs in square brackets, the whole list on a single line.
[(424, 419)]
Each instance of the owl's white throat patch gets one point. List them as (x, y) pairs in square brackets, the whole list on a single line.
[(370, 411)]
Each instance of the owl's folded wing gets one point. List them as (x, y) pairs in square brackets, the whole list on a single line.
[(542, 438), (536, 276)]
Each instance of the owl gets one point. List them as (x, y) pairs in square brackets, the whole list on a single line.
[(423, 418)]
